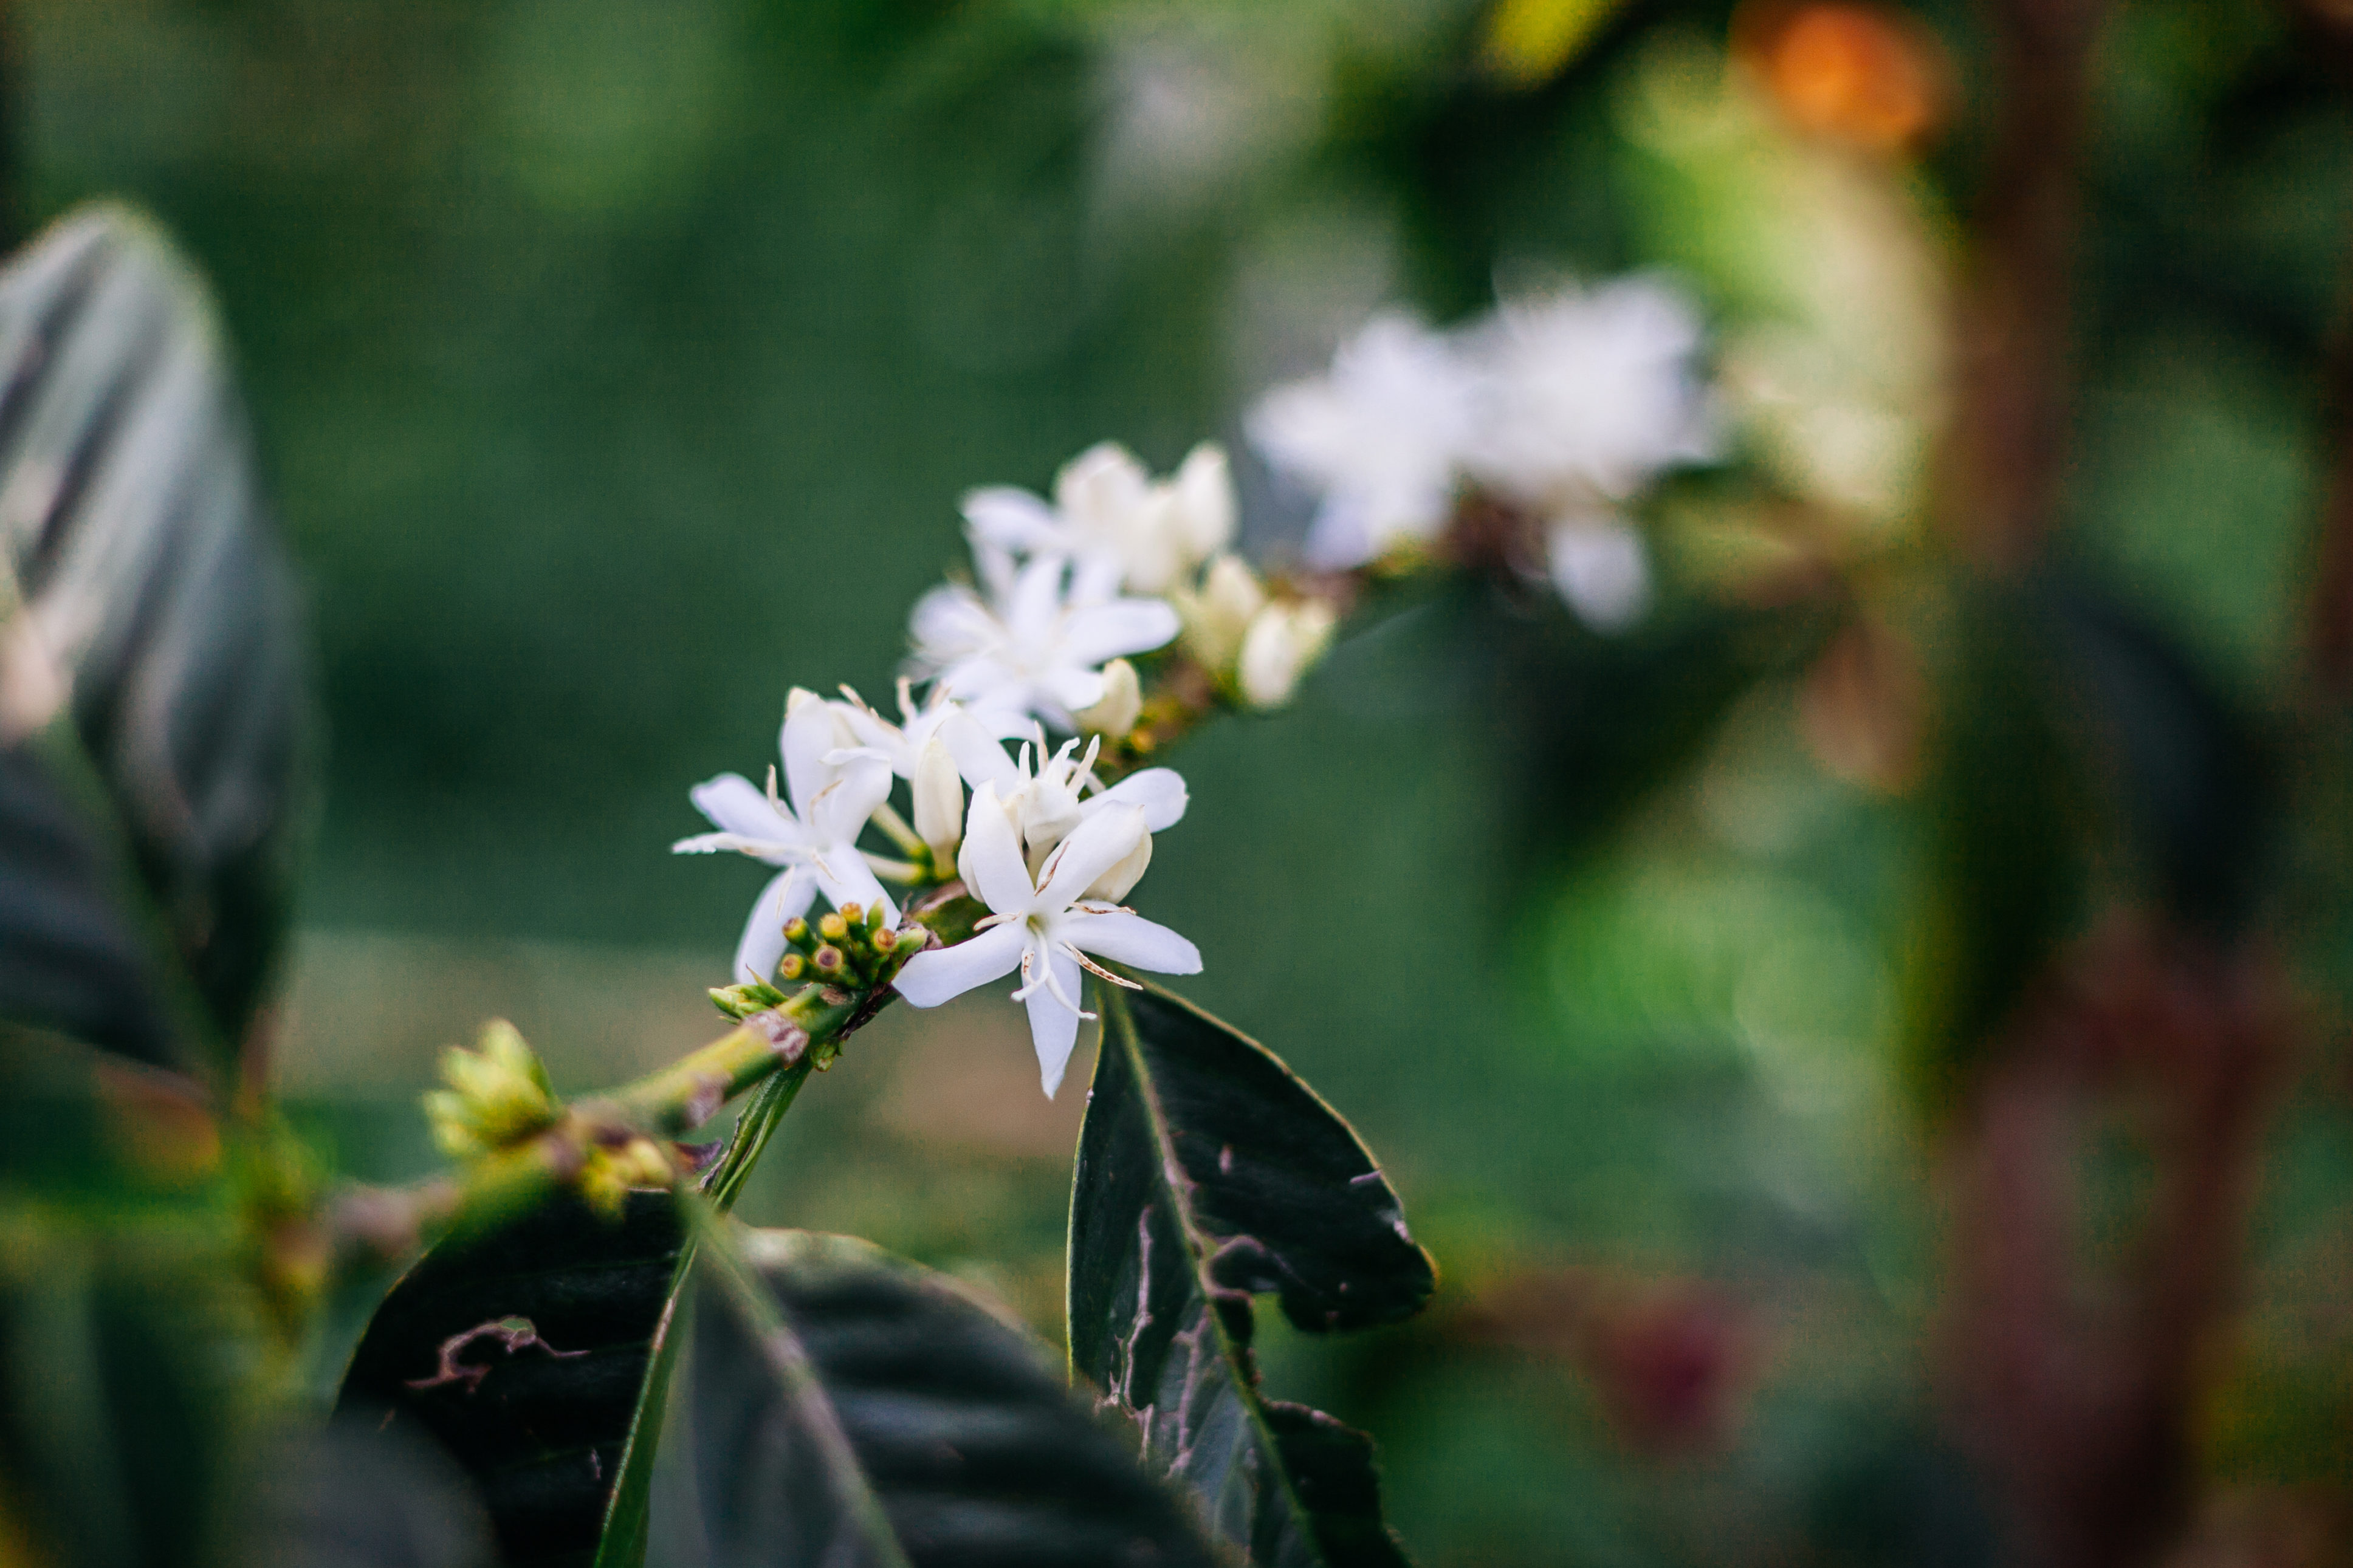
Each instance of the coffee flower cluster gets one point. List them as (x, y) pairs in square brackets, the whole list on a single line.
[(1565, 407), (1073, 600)]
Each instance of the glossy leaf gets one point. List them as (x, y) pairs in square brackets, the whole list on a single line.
[(152, 613), (849, 1408), (1208, 1173), (526, 1351)]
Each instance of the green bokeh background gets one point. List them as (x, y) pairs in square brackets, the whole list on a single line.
[(618, 364)]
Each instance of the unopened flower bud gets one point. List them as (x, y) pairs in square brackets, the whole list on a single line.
[(832, 926), (852, 913), (1217, 618), (498, 1094), (1114, 884), (939, 803), (1121, 705), (885, 940), (1204, 512), (792, 966), (827, 960), (797, 931), (1283, 642)]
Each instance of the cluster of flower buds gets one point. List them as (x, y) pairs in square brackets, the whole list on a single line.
[(498, 1097), (1563, 407)]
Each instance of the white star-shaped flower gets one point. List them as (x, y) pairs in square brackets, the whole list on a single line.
[(1027, 646), (1046, 798), (1110, 517), (1381, 438), (1045, 925), (834, 785)]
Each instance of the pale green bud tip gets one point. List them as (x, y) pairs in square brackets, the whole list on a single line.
[(797, 929), (1121, 705)]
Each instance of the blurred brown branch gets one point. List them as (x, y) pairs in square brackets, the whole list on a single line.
[(2013, 340), (2075, 1386)]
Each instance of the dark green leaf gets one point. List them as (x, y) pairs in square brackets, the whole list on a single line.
[(526, 1351), (869, 1412), (150, 582), (1208, 1173)]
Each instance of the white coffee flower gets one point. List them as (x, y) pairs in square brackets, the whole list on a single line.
[(1028, 646), (938, 717), (1381, 439), (1283, 640), (1046, 797), (1045, 925), (1587, 395), (1110, 517), (834, 787)]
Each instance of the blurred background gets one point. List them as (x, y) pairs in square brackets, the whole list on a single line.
[(619, 362)]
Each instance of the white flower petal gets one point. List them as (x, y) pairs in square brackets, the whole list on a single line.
[(1100, 633), (1130, 938), (933, 975), (1102, 840), (763, 943), (1012, 519), (811, 730), (1601, 570), (990, 861), (735, 805), (1158, 793), (1054, 1024)]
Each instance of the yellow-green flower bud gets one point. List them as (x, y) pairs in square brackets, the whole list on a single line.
[(833, 928)]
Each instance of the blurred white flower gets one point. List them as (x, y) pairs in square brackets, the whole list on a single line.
[(1046, 923), (1587, 395), (834, 786), (1027, 646), (1283, 640), (1110, 517), (1381, 438)]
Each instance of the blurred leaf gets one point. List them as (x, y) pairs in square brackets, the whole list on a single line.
[(119, 1356), (1209, 1173), (155, 604), (849, 1408), (2006, 817), (528, 1351), (342, 1495)]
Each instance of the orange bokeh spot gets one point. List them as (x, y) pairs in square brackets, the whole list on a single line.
[(1862, 74)]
